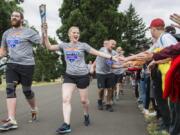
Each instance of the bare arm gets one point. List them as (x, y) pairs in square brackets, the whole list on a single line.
[(49, 46), (102, 54), (167, 52), (163, 61), (46, 39), (3, 52), (175, 18), (152, 63), (134, 57), (117, 66)]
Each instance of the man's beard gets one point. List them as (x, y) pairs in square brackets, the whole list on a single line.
[(16, 23)]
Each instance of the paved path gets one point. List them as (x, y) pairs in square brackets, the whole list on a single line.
[(126, 120)]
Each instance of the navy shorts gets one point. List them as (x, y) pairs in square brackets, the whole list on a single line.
[(105, 80)]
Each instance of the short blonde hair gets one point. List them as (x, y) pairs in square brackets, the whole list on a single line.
[(71, 28), (119, 49), (112, 41)]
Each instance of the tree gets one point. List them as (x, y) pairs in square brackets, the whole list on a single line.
[(97, 20), (48, 66), (6, 8), (134, 38)]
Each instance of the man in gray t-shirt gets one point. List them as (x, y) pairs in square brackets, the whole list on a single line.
[(102, 66), (17, 43), (118, 75), (104, 77)]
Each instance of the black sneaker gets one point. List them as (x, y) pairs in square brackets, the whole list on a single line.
[(9, 125), (109, 108), (65, 128), (100, 105), (86, 120), (122, 92)]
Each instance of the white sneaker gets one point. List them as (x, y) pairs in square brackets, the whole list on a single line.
[(152, 114), (145, 111), (140, 106), (8, 125)]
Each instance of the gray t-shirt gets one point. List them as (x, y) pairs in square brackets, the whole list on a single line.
[(74, 57), (18, 42), (102, 65), (117, 71)]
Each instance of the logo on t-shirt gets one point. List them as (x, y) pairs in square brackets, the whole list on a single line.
[(72, 54), (12, 42), (109, 62)]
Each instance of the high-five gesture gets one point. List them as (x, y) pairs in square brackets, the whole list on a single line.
[(175, 18)]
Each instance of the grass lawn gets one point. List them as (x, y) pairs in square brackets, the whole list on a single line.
[(35, 84)]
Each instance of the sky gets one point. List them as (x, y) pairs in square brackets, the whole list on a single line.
[(31, 14), (150, 9), (147, 9)]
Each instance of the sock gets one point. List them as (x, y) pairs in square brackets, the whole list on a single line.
[(13, 120)]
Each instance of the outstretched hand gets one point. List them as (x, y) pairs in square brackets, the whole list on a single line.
[(175, 18), (122, 59), (147, 56), (115, 58), (151, 65)]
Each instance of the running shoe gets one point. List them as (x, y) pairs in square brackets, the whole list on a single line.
[(122, 92), (151, 114), (109, 108), (100, 105), (65, 128), (86, 120), (117, 97), (9, 125)]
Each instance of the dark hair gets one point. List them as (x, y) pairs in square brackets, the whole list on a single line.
[(170, 29), (21, 14)]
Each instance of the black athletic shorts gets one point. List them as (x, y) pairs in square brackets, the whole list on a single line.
[(81, 81), (19, 73), (119, 78), (105, 80), (115, 79)]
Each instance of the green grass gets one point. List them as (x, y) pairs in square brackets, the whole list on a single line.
[(35, 84), (152, 127)]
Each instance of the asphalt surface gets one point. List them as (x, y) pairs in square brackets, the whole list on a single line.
[(126, 120)]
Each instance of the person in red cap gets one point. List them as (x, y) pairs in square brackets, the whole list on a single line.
[(170, 51), (158, 22), (162, 40), (172, 90), (157, 28)]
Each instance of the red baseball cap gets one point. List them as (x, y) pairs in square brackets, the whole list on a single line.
[(158, 22)]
